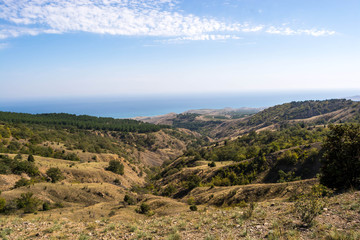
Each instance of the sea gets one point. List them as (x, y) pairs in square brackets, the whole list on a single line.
[(153, 105)]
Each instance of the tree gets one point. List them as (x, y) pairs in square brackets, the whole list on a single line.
[(55, 174), (212, 164), (31, 158), (144, 208), (193, 181), (341, 163), (27, 202), (116, 167)]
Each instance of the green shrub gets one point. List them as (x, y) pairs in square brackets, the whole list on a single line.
[(287, 177), (212, 164), (308, 206), (28, 203), (169, 190), (46, 206), (117, 181), (116, 167), (341, 163), (31, 158), (19, 167), (144, 208), (193, 208), (129, 200), (193, 182), (55, 174), (22, 182)]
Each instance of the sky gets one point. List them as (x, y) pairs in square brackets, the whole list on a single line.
[(83, 48)]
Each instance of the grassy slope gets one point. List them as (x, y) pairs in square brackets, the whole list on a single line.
[(93, 206)]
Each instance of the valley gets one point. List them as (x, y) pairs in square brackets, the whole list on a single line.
[(203, 174)]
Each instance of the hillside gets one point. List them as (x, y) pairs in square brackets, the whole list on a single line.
[(113, 179), (311, 113), (225, 123), (201, 120)]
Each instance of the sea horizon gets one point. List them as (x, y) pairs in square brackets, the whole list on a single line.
[(154, 105)]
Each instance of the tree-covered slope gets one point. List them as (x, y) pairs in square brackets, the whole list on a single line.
[(64, 120), (298, 110)]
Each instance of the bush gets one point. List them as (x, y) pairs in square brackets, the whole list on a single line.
[(308, 206), (169, 190), (212, 164), (19, 167), (116, 167), (193, 208), (27, 202), (22, 182), (129, 200), (341, 164), (117, 182), (46, 206), (144, 208), (55, 174), (193, 182), (31, 158)]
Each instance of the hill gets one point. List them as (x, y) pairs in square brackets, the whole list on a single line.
[(201, 120), (113, 179)]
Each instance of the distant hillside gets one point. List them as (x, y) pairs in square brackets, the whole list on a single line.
[(201, 120), (298, 110), (310, 112), (82, 122)]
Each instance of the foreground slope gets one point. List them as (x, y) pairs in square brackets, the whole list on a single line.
[(175, 184)]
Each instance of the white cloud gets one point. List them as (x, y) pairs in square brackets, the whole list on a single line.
[(202, 37), (288, 31), (157, 18)]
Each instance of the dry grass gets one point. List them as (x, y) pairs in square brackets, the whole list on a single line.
[(274, 219)]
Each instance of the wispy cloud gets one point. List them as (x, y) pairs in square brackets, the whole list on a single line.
[(157, 18), (288, 31), (202, 37)]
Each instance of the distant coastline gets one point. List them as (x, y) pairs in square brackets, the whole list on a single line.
[(146, 106)]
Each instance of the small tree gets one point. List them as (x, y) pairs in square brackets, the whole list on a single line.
[(116, 167), (31, 158), (22, 182), (310, 205), (212, 164), (55, 174), (193, 208), (144, 208), (129, 200), (27, 202), (193, 182), (46, 206), (341, 164)]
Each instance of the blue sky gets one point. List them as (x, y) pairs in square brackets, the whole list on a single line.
[(121, 47)]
